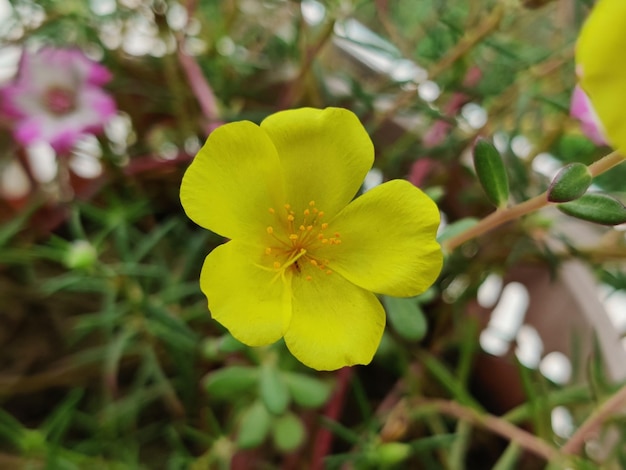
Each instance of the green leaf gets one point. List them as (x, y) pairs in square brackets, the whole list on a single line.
[(406, 317), (254, 426), (306, 391), (229, 383), (596, 207), (491, 172), (570, 183), (288, 432), (273, 390)]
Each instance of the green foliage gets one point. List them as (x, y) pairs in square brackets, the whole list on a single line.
[(596, 207), (570, 183), (491, 172)]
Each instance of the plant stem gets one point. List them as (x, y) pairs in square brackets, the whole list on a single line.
[(499, 217), (593, 423), (496, 425)]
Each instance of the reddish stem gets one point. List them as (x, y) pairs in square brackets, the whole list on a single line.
[(323, 440)]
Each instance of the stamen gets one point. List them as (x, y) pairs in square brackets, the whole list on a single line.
[(313, 262), (268, 251), (312, 203), (276, 265), (287, 206), (290, 218), (309, 228), (302, 228), (307, 212), (324, 225), (329, 271), (293, 236), (320, 214), (270, 230), (271, 210), (309, 278)]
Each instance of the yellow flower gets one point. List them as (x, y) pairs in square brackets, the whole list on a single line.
[(601, 68), (303, 260)]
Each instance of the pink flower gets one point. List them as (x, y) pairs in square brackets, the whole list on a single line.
[(57, 97), (582, 110)]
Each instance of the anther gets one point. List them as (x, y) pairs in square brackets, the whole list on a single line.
[(276, 265), (268, 251), (270, 230), (287, 206), (271, 210), (337, 234), (307, 212), (290, 218), (329, 271), (324, 240), (324, 225), (320, 214), (309, 228), (293, 236), (320, 236), (313, 262), (312, 203), (309, 278), (302, 228)]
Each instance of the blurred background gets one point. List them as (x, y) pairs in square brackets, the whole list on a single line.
[(109, 358)]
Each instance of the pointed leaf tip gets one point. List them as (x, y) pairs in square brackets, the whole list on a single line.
[(491, 172)]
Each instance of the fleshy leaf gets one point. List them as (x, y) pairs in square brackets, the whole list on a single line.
[(596, 207), (406, 317), (288, 432), (491, 172), (306, 391), (570, 183), (273, 390), (254, 426), (230, 382)]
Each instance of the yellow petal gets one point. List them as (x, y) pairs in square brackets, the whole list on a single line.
[(602, 71), (246, 299), (233, 181), (334, 323), (325, 155), (388, 240)]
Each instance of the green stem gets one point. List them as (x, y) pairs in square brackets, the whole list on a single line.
[(502, 216), (592, 424)]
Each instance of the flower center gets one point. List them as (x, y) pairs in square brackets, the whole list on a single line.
[(59, 100), (295, 240)]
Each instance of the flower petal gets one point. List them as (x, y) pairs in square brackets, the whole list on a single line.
[(388, 240), (325, 155), (334, 323), (248, 300), (582, 110), (602, 72), (233, 181)]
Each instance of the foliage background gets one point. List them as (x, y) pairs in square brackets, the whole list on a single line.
[(113, 361)]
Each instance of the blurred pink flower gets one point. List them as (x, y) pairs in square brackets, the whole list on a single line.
[(582, 110), (56, 97)]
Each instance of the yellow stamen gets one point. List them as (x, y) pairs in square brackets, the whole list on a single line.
[(276, 265), (313, 262), (312, 203), (306, 212), (324, 226), (268, 251), (309, 228), (270, 230), (293, 236), (320, 214), (302, 228), (290, 218), (329, 271), (308, 278)]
